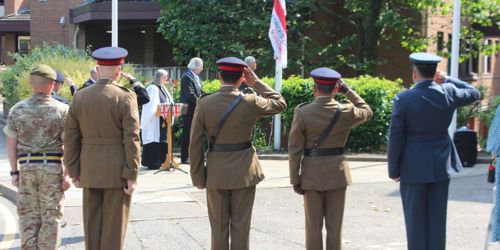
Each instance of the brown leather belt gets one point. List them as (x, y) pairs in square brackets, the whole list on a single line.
[(102, 141), (318, 152), (230, 147)]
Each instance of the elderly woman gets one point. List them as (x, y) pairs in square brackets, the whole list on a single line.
[(154, 129)]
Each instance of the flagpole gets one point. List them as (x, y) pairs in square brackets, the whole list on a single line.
[(114, 23), (277, 118), (455, 51)]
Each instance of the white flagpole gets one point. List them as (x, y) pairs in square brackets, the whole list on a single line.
[(114, 23), (455, 51), (277, 118)]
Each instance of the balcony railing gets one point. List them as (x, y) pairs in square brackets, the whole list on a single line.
[(95, 10)]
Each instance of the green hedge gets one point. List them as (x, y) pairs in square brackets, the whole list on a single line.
[(371, 136)]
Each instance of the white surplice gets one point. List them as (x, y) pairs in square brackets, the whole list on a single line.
[(150, 123)]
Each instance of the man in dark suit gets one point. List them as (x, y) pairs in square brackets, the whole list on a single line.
[(421, 154), (191, 90), (252, 64), (94, 76)]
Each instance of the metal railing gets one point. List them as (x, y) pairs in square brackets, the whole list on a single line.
[(175, 73)]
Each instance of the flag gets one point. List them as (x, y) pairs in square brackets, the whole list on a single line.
[(177, 109), (164, 107), (277, 32)]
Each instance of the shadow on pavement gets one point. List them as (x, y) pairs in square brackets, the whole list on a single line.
[(467, 188), (72, 240)]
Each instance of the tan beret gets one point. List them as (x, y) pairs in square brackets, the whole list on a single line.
[(44, 71)]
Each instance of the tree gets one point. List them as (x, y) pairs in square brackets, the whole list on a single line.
[(351, 36), (212, 29), (374, 21)]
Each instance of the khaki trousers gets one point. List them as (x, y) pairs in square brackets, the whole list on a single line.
[(105, 218), (230, 212), (39, 206), (327, 205)]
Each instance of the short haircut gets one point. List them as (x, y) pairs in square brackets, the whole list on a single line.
[(249, 60), (426, 70), (93, 70), (325, 88), (38, 80), (230, 77), (194, 63)]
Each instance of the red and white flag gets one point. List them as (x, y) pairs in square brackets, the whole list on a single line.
[(177, 109), (164, 107), (277, 32)]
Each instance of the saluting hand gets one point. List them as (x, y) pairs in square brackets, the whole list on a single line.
[(70, 81), (439, 77), (250, 77), (127, 75), (343, 87), (130, 188)]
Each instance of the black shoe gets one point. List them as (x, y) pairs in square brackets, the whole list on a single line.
[(153, 167), (185, 162)]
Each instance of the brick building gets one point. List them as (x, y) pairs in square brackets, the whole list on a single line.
[(84, 24), (483, 70)]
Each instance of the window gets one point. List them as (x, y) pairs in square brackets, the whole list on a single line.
[(487, 59), (23, 44), (440, 41), (472, 64)]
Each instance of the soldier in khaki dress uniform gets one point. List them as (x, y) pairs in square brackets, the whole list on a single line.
[(102, 151), (232, 169), (319, 169), (34, 132)]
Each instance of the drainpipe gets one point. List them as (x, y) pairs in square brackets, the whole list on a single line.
[(75, 36)]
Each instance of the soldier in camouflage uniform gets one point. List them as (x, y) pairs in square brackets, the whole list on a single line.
[(34, 132)]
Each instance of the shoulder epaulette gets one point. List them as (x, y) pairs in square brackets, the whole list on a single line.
[(302, 105), (248, 90), (121, 87), (205, 94), (83, 86)]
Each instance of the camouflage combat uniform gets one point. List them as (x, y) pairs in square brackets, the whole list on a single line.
[(37, 124)]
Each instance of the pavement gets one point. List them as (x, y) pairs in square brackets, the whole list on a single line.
[(169, 213)]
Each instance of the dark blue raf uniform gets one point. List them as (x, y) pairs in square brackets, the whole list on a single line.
[(60, 80), (422, 155)]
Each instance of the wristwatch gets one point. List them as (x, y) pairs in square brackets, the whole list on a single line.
[(12, 173)]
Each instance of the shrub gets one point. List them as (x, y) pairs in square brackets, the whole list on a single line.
[(73, 63), (378, 93)]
